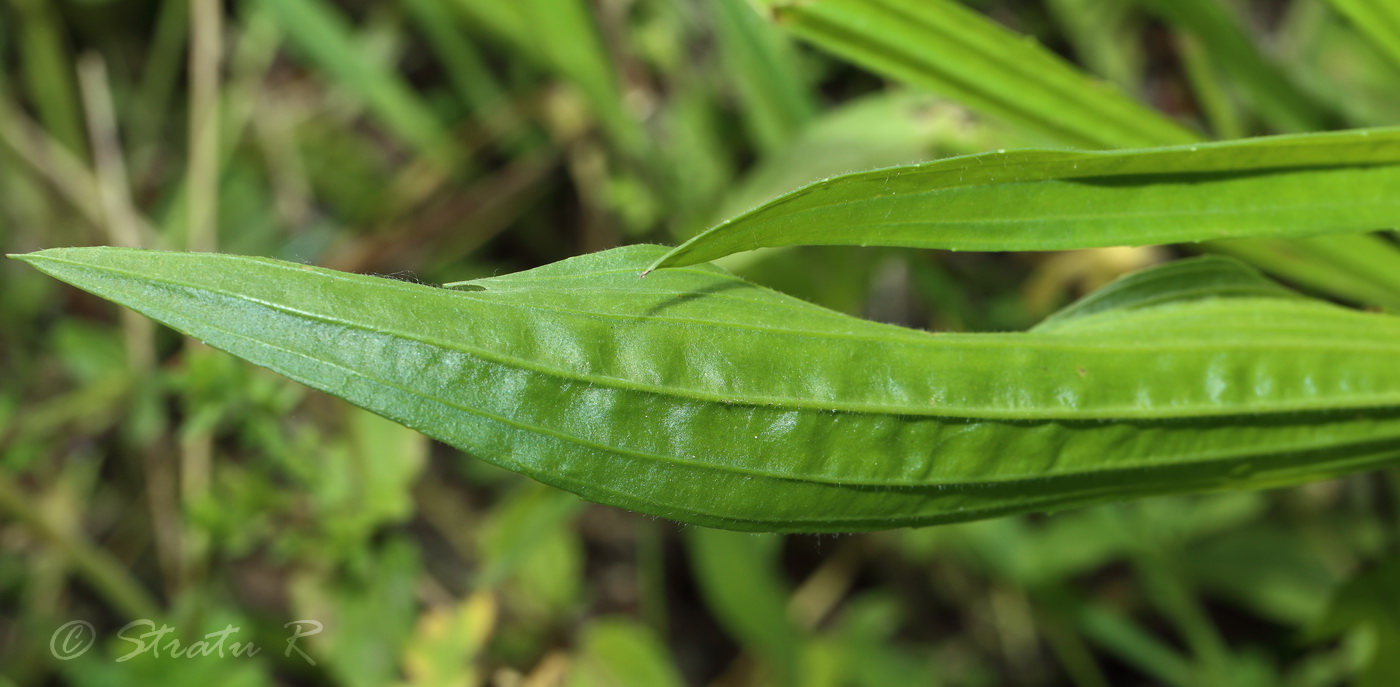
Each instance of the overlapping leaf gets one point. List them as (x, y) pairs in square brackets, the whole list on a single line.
[(950, 50), (1299, 185), (696, 396)]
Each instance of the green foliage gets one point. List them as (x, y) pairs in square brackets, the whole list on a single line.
[(584, 377), (618, 653), (753, 612), (1378, 21), (992, 72), (951, 50), (799, 387), (1057, 200), (1274, 95), (316, 28)]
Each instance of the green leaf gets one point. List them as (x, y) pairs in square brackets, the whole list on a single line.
[(1356, 267), (1378, 20), (327, 39), (754, 612), (47, 70), (1294, 586), (696, 396), (1052, 200), (938, 45), (526, 540), (448, 643), (1276, 98), (365, 619), (1104, 34), (1182, 280), (355, 491), (879, 130), (777, 101), (617, 652), (560, 36), (954, 51), (1369, 600)]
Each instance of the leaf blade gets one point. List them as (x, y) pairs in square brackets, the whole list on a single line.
[(1377, 21), (1276, 97), (964, 55), (327, 38), (954, 51), (1299, 185), (716, 425), (1180, 280)]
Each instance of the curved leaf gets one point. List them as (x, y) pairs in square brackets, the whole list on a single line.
[(326, 37), (1276, 97), (1052, 200), (1362, 268), (1378, 21), (939, 45), (1181, 280), (696, 396), (957, 52)]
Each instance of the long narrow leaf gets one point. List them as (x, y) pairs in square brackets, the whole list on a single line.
[(883, 129), (1356, 267), (1378, 20), (326, 37), (1180, 280), (560, 36), (696, 396), (938, 45), (777, 101), (954, 51), (1276, 98), (1051, 200), (1104, 35)]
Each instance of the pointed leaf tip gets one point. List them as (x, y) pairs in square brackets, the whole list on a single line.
[(700, 397), (1280, 186)]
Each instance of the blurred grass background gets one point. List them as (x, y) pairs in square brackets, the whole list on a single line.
[(146, 476)]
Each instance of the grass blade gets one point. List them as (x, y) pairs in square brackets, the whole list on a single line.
[(326, 38), (472, 80), (755, 612), (1276, 99), (1378, 20), (1220, 111), (954, 51), (48, 72), (777, 101), (1104, 36), (560, 36)]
